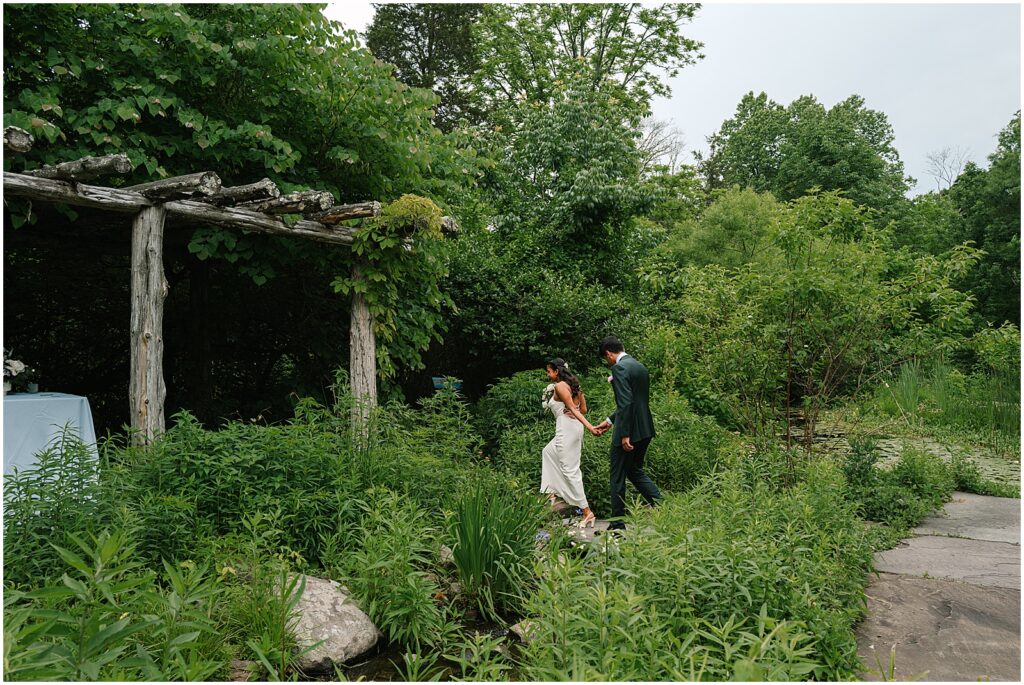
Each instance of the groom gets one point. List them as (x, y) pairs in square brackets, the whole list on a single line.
[(634, 428)]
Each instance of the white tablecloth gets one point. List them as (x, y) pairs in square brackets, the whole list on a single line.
[(32, 421)]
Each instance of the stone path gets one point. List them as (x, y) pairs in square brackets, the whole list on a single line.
[(948, 598)]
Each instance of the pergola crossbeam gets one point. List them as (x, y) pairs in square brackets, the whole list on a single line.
[(260, 190), (302, 202), (179, 187), (339, 213), (84, 169)]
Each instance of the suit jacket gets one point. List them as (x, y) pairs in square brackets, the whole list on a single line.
[(632, 416)]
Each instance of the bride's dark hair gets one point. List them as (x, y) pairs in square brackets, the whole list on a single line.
[(564, 374)]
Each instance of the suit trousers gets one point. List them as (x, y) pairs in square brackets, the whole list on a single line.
[(629, 465)]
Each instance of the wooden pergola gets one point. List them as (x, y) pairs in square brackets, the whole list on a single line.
[(193, 200)]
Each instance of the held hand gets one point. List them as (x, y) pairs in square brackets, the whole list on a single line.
[(626, 444), (594, 430)]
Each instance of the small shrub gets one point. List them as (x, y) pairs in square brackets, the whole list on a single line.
[(61, 493), (388, 568)]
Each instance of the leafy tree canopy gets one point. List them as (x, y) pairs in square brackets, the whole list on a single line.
[(528, 49), (790, 150), (432, 46)]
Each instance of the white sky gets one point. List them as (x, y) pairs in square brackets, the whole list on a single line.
[(945, 75)]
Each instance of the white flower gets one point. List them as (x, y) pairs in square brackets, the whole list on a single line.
[(13, 367)]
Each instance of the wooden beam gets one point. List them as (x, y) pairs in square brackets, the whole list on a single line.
[(17, 140), (84, 169), (146, 389), (302, 202), (362, 361), (191, 211), (339, 213), (179, 187), (260, 190), (78, 194), (236, 217)]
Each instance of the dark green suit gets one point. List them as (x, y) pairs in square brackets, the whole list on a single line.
[(632, 418)]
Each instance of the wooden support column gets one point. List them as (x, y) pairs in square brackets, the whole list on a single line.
[(362, 359), (146, 390)]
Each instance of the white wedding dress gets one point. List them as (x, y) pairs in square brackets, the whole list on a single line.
[(560, 465)]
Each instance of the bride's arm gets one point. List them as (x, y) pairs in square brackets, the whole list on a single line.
[(565, 397), (583, 403)]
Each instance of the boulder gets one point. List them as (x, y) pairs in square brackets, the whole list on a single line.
[(327, 615)]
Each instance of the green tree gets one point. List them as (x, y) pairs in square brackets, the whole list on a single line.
[(736, 229), (432, 46), (789, 150), (989, 202), (832, 307), (527, 49)]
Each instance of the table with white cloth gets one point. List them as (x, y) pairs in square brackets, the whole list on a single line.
[(33, 421)]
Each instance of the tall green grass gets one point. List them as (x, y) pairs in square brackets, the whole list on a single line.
[(494, 534)]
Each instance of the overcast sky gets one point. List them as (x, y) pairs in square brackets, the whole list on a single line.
[(945, 75)]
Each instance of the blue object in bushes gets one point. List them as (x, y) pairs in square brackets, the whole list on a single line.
[(439, 383)]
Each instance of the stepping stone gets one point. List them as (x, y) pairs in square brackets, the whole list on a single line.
[(978, 562), (942, 630), (584, 534), (996, 519)]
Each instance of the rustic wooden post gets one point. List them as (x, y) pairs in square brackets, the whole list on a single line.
[(149, 288), (362, 359)]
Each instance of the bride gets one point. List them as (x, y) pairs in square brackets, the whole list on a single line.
[(560, 470)]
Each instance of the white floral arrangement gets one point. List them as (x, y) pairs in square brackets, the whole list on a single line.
[(547, 394), (14, 368)]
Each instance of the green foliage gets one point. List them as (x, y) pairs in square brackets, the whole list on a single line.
[(900, 497), (193, 482), (724, 582), (790, 150), (403, 245), (432, 46), (494, 535), (60, 493), (969, 479), (802, 328), (388, 569), (736, 229), (108, 619), (527, 50), (989, 202)]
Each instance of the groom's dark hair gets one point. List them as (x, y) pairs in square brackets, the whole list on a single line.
[(611, 344)]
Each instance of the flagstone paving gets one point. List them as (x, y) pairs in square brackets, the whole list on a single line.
[(948, 598)]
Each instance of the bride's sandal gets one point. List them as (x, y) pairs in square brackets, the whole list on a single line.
[(587, 521)]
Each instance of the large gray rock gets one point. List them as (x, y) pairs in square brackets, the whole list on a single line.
[(327, 613)]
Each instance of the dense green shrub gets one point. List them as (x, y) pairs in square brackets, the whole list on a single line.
[(112, 619), (723, 582), (388, 565), (901, 496)]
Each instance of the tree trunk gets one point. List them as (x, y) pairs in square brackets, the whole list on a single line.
[(362, 361), (149, 289)]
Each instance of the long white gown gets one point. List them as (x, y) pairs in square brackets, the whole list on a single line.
[(560, 465)]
